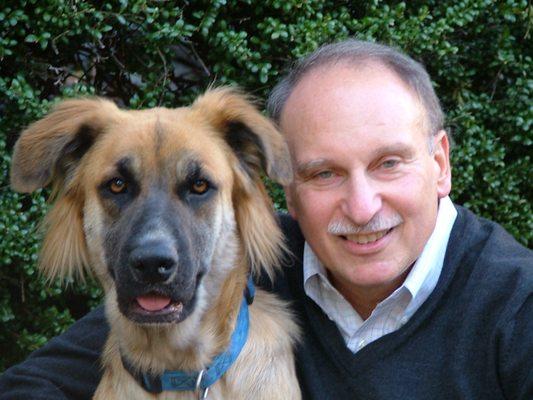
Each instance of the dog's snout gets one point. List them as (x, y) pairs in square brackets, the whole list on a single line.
[(153, 263)]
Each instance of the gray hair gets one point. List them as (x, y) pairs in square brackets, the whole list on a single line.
[(358, 52)]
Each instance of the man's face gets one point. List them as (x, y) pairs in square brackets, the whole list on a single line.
[(366, 186)]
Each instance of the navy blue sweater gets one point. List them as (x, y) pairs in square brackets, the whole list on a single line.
[(471, 339)]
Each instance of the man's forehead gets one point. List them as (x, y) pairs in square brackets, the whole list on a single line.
[(342, 75), (345, 98)]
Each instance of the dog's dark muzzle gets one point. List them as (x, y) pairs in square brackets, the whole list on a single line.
[(157, 260), (156, 282)]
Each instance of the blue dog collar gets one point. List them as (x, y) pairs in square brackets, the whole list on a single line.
[(202, 380)]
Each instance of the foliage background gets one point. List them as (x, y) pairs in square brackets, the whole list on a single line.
[(145, 53)]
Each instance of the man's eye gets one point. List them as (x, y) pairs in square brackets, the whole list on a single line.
[(324, 175), (389, 164)]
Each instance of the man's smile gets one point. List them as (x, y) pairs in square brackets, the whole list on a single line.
[(364, 238), (365, 244)]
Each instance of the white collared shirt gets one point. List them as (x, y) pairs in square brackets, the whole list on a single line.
[(395, 310)]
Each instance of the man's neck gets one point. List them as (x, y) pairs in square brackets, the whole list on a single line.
[(365, 299)]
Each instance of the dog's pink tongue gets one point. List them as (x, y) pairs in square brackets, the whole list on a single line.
[(153, 302)]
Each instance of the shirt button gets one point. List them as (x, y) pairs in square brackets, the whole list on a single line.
[(404, 320), (361, 344)]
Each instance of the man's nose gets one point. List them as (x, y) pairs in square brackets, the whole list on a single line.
[(362, 200)]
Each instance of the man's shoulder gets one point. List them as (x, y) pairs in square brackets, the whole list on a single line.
[(289, 271), (478, 235), (291, 230), (487, 256), (288, 224)]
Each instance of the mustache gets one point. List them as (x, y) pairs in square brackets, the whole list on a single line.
[(378, 223)]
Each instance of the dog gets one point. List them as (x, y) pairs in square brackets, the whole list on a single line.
[(166, 207)]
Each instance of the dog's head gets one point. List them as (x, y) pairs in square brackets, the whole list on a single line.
[(155, 202)]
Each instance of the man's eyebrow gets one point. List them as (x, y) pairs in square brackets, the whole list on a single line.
[(302, 169), (399, 148)]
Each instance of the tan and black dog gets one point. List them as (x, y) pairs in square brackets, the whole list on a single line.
[(166, 207)]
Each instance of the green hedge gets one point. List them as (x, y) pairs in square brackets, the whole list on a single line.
[(146, 53)]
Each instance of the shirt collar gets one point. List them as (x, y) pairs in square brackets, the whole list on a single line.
[(425, 273)]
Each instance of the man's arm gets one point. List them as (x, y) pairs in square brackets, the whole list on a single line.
[(516, 353), (67, 367)]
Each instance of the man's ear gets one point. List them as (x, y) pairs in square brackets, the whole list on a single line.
[(441, 156), (50, 148)]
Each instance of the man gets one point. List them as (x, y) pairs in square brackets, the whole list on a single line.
[(400, 294)]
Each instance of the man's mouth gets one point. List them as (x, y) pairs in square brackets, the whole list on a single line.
[(365, 238)]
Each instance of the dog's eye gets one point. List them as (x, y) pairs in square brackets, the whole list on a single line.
[(199, 186), (117, 185)]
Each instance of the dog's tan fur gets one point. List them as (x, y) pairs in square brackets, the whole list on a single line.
[(73, 242)]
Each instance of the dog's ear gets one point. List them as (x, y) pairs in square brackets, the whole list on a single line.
[(254, 139), (64, 250), (48, 151), (258, 146)]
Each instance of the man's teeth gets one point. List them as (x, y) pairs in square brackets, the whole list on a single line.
[(366, 238)]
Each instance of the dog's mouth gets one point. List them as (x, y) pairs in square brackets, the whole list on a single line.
[(154, 303), (157, 304), (156, 308)]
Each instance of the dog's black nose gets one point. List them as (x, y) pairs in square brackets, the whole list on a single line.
[(153, 263)]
